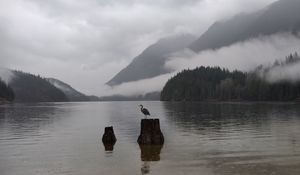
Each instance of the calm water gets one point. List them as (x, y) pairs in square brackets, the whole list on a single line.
[(200, 138)]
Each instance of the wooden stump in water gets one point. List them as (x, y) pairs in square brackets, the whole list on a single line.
[(150, 133), (109, 137)]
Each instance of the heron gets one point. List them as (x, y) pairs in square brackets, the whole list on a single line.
[(144, 111)]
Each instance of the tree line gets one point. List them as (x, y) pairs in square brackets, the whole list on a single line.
[(215, 83), (34, 88), (6, 92)]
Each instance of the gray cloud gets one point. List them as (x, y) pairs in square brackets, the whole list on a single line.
[(289, 73), (6, 75), (141, 87), (243, 56), (84, 43)]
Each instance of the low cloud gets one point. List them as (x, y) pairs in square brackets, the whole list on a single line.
[(140, 87), (85, 43), (289, 73), (243, 56), (6, 75)]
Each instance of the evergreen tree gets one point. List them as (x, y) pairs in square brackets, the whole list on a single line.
[(214, 83), (6, 91)]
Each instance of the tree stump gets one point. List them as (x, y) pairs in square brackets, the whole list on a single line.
[(150, 133), (109, 137)]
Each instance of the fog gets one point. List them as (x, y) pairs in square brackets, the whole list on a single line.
[(289, 73), (140, 87), (6, 75), (85, 43), (241, 56), (244, 56)]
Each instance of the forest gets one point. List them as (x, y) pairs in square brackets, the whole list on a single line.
[(33, 88), (219, 84), (6, 92)]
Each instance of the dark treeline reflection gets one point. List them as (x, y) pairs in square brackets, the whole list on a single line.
[(238, 138), (216, 116), (28, 118)]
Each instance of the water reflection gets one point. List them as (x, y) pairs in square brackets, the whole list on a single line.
[(22, 120), (239, 138), (109, 147), (200, 138), (220, 116), (145, 168), (126, 118), (149, 153)]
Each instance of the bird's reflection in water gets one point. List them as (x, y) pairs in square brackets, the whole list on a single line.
[(145, 167), (149, 153)]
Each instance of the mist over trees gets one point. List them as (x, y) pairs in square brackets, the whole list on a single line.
[(215, 83), (6, 92)]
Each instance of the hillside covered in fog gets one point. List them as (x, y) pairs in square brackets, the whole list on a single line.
[(215, 83), (282, 16)]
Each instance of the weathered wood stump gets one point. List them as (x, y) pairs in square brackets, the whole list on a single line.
[(109, 137), (150, 133)]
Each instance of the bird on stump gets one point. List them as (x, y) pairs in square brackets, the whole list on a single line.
[(144, 111)]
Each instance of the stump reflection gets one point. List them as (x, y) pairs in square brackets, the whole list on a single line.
[(109, 147), (149, 153)]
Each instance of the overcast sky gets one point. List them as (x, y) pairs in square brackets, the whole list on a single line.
[(85, 43)]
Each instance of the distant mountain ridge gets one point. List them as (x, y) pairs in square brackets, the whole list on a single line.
[(27, 87), (281, 16), (150, 62), (31, 88), (70, 92)]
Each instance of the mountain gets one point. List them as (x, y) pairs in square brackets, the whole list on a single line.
[(32, 88), (281, 16), (70, 92), (150, 62)]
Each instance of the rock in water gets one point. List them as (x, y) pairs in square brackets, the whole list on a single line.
[(109, 137), (150, 133)]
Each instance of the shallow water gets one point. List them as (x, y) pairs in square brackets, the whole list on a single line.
[(200, 138)]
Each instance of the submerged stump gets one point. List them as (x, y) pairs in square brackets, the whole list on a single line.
[(150, 133), (109, 137)]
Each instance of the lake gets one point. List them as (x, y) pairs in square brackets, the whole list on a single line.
[(200, 139)]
